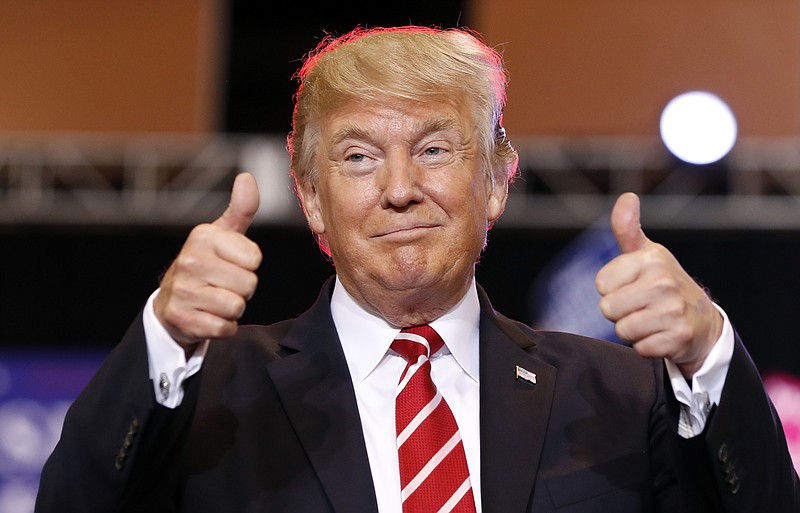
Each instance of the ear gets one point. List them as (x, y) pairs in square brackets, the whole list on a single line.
[(310, 200), (497, 197)]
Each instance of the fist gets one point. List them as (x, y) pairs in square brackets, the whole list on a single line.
[(205, 290), (654, 303)]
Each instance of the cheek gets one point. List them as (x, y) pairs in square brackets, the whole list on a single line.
[(348, 207), (472, 196), (362, 197)]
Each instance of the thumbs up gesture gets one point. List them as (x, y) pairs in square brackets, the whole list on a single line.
[(205, 290), (655, 304)]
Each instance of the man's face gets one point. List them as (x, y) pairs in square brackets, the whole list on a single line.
[(401, 201)]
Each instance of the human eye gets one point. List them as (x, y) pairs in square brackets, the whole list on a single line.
[(358, 161), (355, 157), (435, 155)]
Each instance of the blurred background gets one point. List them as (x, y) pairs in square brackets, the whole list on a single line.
[(122, 124)]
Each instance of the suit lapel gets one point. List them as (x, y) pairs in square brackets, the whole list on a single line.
[(514, 412), (317, 393)]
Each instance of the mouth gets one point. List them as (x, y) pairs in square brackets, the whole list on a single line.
[(406, 232)]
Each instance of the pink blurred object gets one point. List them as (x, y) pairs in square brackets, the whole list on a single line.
[(784, 390)]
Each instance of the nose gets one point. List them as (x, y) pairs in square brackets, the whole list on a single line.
[(399, 182)]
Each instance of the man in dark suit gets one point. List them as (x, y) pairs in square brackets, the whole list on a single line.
[(402, 165)]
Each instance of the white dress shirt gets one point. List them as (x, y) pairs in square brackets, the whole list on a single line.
[(375, 371), (167, 360), (707, 383)]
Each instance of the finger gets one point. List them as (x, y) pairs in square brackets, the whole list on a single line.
[(238, 250), (621, 271), (211, 301), (623, 302), (670, 343), (640, 325), (639, 284), (218, 302), (660, 344), (199, 314), (202, 325), (626, 223), (243, 205), (230, 277), (207, 241), (655, 345)]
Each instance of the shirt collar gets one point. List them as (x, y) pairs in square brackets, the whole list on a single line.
[(366, 338)]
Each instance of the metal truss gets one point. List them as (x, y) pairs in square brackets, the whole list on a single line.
[(93, 179), (573, 182), (100, 179)]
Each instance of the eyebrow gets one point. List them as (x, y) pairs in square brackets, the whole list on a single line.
[(349, 132), (440, 124), (426, 127), (435, 126)]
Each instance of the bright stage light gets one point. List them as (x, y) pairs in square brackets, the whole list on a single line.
[(698, 127)]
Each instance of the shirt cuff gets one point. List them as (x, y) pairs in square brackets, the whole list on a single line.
[(167, 360), (707, 383)]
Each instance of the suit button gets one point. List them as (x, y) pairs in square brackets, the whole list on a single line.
[(733, 484), (722, 454), (728, 468), (133, 428)]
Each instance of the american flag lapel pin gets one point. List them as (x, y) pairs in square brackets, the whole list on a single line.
[(525, 374)]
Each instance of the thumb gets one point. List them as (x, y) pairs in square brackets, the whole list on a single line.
[(243, 205), (626, 224)]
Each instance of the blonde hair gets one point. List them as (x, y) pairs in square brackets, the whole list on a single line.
[(403, 63)]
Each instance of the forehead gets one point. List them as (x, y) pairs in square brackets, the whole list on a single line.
[(373, 119)]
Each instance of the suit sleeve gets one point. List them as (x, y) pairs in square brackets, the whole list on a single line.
[(119, 450), (741, 462)]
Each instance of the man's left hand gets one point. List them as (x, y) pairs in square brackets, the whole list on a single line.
[(655, 304)]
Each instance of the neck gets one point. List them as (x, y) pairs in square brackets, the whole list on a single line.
[(408, 307)]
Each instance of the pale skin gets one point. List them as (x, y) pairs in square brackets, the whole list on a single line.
[(402, 203), (205, 290), (655, 304)]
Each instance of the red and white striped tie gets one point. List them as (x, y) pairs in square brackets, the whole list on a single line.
[(433, 467)]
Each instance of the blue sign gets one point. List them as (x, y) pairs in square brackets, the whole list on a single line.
[(36, 389), (564, 296)]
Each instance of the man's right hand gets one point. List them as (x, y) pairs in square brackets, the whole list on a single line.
[(205, 290)]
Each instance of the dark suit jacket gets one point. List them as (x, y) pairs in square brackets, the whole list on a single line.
[(271, 425)]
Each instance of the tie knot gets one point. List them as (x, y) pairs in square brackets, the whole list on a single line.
[(413, 342)]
